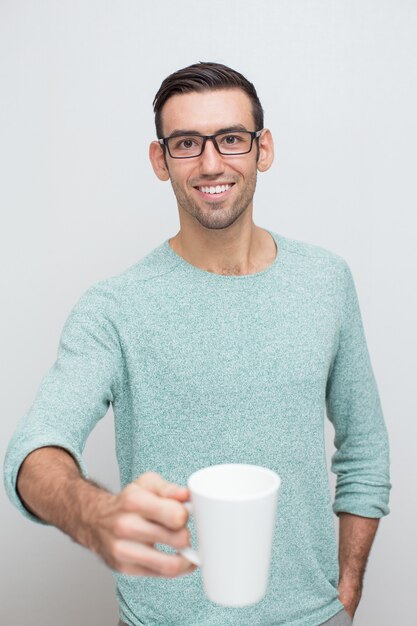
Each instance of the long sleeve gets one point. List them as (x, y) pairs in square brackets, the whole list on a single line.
[(74, 394), (361, 460)]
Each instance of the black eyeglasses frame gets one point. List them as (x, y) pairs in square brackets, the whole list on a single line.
[(253, 133)]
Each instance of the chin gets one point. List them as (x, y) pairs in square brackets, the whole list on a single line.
[(217, 222)]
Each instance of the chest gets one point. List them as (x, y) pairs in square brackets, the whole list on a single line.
[(232, 342)]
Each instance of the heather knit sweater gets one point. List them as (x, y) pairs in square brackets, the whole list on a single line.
[(203, 368)]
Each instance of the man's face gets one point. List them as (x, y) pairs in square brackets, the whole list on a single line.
[(207, 113)]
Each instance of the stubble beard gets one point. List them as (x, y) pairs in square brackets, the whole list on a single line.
[(219, 217)]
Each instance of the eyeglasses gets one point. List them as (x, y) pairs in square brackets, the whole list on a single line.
[(189, 145)]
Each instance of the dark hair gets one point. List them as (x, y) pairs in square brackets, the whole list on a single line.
[(205, 77)]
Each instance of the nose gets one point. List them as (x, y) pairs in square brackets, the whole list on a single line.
[(211, 162)]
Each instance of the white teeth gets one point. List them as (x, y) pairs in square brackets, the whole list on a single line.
[(217, 189)]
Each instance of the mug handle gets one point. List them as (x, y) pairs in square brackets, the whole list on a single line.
[(189, 553)]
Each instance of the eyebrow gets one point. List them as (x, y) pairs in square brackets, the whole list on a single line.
[(228, 129)]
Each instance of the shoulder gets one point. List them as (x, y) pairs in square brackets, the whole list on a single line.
[(313, 268), (311, 258), (310, 251), (146, 275)]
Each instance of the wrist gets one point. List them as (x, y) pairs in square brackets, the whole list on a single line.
[(90, 500), (350, 592)]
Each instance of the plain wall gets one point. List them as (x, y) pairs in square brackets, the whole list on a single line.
[(79, 202)]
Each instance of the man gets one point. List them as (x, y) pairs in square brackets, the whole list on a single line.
[(224, 344)]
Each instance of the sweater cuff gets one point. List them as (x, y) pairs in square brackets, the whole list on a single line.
[(364, 506)]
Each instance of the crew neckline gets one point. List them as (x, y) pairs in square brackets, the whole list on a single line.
[(278, 239)]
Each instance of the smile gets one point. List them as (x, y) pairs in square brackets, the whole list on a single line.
[(217, 191)]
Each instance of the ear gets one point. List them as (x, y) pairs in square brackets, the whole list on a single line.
[(156, 155), (266, 151)]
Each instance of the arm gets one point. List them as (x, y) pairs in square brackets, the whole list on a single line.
[(52, 488), (361, 460), (356, 535), (120, 528)]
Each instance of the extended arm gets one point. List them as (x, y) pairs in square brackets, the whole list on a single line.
[(45, 476), (356, 535), (122, 529)]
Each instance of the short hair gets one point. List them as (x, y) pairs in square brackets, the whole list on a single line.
[(205, 76)]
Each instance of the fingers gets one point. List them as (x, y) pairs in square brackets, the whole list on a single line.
[(136, 570), (132, 555), (135, 528), (153, 500), (146, 512)]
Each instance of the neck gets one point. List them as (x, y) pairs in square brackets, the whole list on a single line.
[(245, 249)]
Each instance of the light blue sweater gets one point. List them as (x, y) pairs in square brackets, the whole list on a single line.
[(203, 368)]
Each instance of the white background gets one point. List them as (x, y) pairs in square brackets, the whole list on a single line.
[(79, 202)]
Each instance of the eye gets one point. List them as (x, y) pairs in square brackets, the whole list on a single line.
[(185, 144), (231, 140)]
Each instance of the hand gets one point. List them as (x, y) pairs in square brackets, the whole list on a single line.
[(124, 528), (349, 596)]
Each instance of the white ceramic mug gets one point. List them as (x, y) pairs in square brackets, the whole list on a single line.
[(234, 507)]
